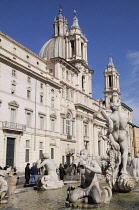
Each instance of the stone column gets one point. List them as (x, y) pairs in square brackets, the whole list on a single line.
[(69, 49), (79, 49), (79, 133), (118, 83), (95, 139), (76, 47), (90, 85), (105, 142), (85, 51), (114, 77), (107, 82), (90, 131)]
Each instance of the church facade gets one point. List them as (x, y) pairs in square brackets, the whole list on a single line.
[(46, 102)]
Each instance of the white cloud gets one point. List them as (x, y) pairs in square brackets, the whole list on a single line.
[(131, 95), (134, 104), (134, 61)]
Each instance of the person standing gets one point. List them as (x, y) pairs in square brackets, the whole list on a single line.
[(27, 174), (34, 173), (5, 168), (65, 166), (61, 171)]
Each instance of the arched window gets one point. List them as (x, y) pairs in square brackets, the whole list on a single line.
[(68, 124)]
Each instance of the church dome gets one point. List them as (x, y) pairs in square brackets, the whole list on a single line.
[(55, 47), (68, 44)]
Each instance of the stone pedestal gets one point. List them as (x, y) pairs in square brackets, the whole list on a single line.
[(45, 183)]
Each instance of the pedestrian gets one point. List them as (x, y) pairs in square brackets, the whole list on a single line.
[(15, 170), (7, 166), (34, 173), (61, 171), (65, 166), (27, 174), (78, 170)]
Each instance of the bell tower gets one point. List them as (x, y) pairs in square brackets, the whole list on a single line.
[(76, 42), (112, 88), (60, 25)]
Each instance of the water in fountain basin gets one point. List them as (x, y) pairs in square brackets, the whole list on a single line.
[(55, 199)]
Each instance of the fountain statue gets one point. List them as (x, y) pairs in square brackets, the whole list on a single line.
[(51, 180), (8, 183), (135, 165), (116, 174), (89, 191)]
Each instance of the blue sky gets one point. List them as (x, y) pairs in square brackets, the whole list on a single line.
[(110, 26)]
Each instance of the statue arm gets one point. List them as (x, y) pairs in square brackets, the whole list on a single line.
[(40, 164)]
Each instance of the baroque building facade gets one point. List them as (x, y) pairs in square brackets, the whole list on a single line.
[(46, 100)]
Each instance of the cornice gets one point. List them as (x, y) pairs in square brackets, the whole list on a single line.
[(126, 106), (15, 64), (85, 108), (68, 140), (83, 62), (14, 104), (21, 46), (66, 63), (112, 91)]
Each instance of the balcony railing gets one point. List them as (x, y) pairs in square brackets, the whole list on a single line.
[(69, 137), (13, 126), (70, 151)]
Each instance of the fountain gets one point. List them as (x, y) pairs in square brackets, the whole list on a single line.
[(120, 191), (115, 168), (117, 177)]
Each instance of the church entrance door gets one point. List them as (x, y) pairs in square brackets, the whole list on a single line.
[(68, 160), (10, 151)]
